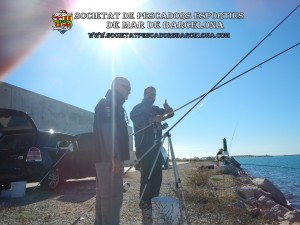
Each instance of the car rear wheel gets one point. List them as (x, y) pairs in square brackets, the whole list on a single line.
[(54, 179)]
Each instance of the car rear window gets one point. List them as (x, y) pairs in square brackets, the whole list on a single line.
[(14, 123)]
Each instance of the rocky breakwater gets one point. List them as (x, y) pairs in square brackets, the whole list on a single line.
[(261, 197)]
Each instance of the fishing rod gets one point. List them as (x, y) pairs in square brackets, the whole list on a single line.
[(81, 217), (51, 168), (221, 85), (215, 88), (217, 85), (144, 128), (284, 167), (212, 89), (232, 139), (232, 79)]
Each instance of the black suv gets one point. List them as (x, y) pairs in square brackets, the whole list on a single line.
[(30, 154)]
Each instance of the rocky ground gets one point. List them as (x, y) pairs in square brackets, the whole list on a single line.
[(209, 197)]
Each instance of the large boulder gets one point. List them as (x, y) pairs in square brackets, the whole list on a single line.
[(279, 210), (229, 169), (265, 203), (234, 162), (268, 215), (268, 186), (245, 180), (250, 192), (293, 216)]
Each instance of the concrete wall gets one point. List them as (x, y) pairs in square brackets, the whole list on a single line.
[(49, 113)]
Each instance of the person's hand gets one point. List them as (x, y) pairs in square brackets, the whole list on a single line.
[(156, 119), (116, 166), (167, 107)]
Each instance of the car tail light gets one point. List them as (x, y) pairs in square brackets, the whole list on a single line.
[(34, 154)]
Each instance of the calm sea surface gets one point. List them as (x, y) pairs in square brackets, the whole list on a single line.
[(282, 171)]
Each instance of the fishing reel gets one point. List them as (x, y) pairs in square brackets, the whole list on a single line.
[(164, 126), (158, 126)]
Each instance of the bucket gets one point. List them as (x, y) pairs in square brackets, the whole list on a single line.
[(18, 189), (165, 210)]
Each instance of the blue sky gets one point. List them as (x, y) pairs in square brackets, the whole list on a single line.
[(257, 113)]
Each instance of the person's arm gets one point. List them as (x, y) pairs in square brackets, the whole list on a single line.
[(162, 114), (111, 139), (168, 110), (105, 132), (156, 119), (139, 117)]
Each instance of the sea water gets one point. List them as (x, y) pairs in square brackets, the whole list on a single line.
[(282, 171)]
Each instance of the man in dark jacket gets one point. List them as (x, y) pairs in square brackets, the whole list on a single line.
[(112, 142), (146, 119)]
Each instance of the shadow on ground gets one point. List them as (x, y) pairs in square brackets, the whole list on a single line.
[(73, 191)]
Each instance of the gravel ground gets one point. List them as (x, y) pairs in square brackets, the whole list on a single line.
[(74, 203)]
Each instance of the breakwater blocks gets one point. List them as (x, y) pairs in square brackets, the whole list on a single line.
[(260, 196), (264, 199)]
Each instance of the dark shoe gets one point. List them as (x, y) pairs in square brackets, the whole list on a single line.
[(144, 205), (147, 216)]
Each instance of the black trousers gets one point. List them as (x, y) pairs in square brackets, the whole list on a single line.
[(154, 183)]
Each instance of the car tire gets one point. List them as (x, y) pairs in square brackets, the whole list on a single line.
[(54, 179)]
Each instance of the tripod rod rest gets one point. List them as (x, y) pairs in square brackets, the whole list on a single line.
[(167, 134), (155, 132)]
